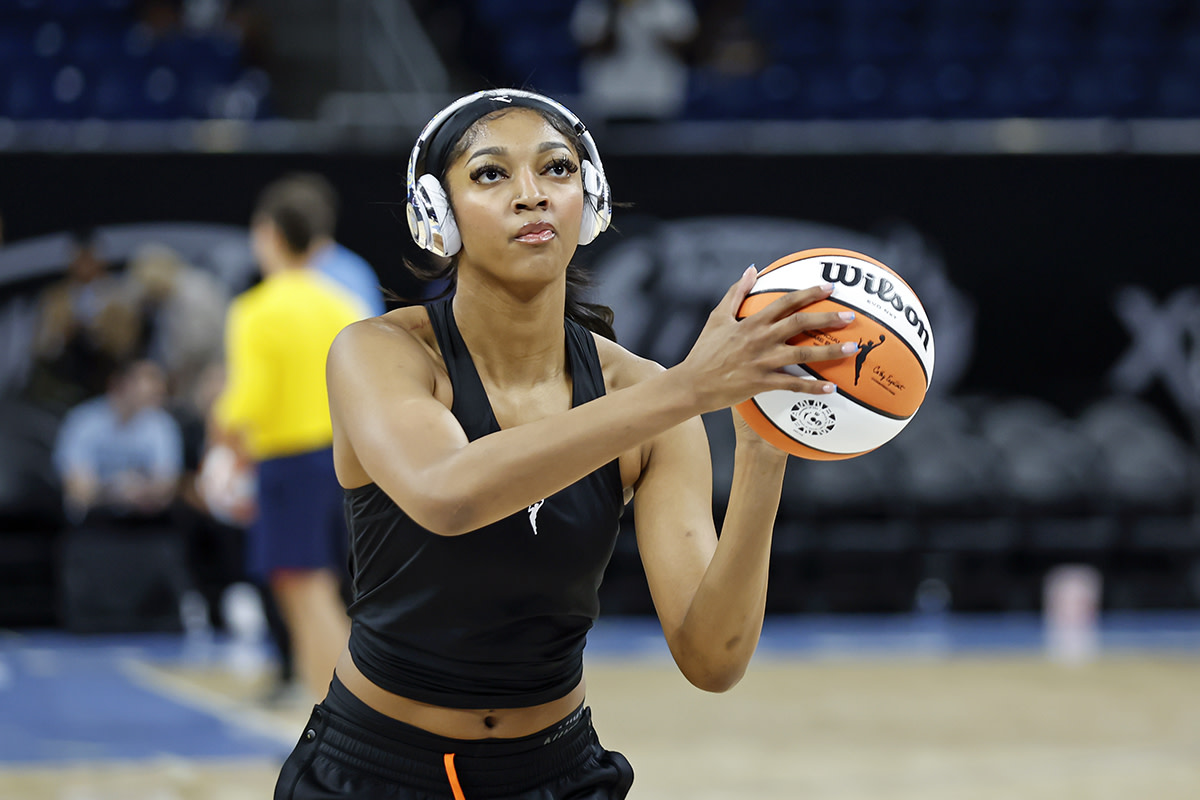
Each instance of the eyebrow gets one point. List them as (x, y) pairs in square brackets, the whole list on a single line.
[(497, 150)]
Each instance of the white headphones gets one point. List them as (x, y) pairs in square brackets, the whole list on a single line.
[(430, 219)]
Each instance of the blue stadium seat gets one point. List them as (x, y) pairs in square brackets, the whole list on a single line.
[(16, 43), (773, 15), (883, 10), (22, 10), (1108, 90), (97, 45), (1124, 38), (161, 95), (966, 9), (211, 57), (1015, 89), (69, 92), (29, 92), (866, 87), (1055, 40), (1177, 93), (714, 96), (117, 92), (912, 93), (972, 39), (879, 41), (543, 56), (803, 42), (780, 88)]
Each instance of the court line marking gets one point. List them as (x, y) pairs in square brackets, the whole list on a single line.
[(227, 709)]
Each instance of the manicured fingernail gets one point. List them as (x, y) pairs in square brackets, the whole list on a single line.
[(826, 287), (829, 388), (750, 270), (847, 316), (850, 347)]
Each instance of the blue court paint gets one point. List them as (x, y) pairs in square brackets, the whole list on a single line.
[(66, 698)]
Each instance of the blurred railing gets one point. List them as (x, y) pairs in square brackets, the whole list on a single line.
[(388, 121)]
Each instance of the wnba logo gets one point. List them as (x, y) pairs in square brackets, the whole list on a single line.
[(813, 418)]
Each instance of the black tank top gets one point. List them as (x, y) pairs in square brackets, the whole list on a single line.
[(494, 618)]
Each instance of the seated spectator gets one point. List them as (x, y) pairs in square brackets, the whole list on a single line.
[(632, 66), (185, 308), (120, 455), (86, 324)]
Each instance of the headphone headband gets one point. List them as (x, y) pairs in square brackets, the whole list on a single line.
[(492, 100)]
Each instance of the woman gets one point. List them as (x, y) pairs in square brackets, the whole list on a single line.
[(487, 444)]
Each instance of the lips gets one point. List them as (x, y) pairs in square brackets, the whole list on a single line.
[(535, 232)]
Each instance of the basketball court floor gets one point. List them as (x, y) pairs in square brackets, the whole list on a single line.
[(832, 708)]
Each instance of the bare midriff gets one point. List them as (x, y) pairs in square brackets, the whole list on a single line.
[(457, 723)]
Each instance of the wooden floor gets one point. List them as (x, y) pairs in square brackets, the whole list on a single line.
[(828, 728)]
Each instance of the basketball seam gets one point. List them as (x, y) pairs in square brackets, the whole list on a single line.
[(855, 400)]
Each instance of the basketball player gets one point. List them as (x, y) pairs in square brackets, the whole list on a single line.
[(488, 443)]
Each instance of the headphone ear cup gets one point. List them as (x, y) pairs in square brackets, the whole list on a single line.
[(597, 210), (430, 219)]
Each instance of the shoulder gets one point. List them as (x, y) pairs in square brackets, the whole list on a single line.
[(89, 413), (399, 336), (622, 368), (160, 420)]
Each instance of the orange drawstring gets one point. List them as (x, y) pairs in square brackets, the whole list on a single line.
[(452, 774)]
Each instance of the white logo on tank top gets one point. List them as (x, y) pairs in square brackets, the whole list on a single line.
[(533, 512)]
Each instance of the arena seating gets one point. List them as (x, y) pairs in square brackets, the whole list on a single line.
[(895, 59), (91, 59)]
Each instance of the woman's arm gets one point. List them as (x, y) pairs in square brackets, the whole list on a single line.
[(382, 396), (710, 594)]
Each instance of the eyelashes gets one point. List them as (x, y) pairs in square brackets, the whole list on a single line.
[(564, 163), (490, 173)]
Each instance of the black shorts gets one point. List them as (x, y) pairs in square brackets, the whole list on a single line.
[(349, 750)]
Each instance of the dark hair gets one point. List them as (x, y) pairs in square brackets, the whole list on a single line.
[(428, 267), (303, 206)]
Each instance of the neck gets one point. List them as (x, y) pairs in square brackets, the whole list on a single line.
[(513, 340), (123, 410), (288, 262)]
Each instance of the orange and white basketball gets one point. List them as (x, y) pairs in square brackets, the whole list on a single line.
[(879, 388)]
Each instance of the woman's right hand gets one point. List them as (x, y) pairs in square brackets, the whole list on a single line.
[(734, 359)]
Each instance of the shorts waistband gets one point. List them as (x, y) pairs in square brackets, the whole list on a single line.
[(358, 735)]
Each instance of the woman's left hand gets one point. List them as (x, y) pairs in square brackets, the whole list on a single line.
[(748, 437)]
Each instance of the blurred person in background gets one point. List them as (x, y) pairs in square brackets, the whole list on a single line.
[(120, 455), (329, 257), (633, 67), (273, 413), (86, 325), (184, 309)]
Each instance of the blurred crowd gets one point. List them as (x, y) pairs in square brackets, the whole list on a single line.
[(159, 496)]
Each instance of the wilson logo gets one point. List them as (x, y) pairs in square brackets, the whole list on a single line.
[(881, 287)]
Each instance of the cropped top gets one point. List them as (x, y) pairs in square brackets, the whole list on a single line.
[(497, 617)]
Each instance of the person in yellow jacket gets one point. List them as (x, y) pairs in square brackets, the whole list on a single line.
[(274, 413)]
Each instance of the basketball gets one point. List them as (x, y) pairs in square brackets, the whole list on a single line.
[(879, 388)]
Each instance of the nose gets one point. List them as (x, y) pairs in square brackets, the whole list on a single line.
[(527, 192)]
